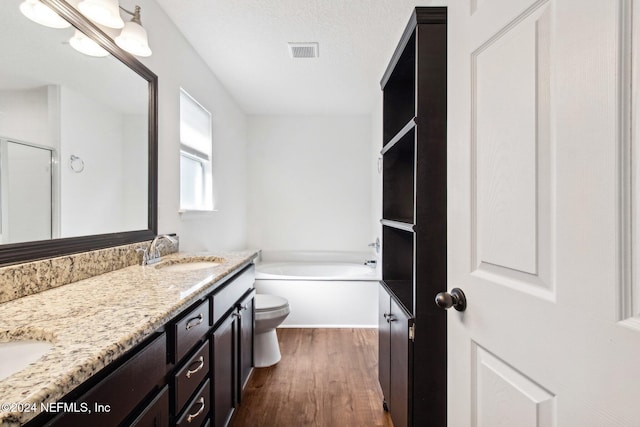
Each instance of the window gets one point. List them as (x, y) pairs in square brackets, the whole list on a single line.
[(196, 179)]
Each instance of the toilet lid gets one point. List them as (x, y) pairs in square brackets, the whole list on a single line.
[(266, 302)]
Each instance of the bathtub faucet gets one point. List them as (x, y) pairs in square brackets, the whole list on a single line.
[(370, 262)]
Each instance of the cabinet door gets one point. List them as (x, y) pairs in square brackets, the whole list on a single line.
[(156, 414), (246, 317), (115, 397), (224, 354), (384, 343), (399, 398)]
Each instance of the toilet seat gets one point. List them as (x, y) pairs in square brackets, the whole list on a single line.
[(266, 303)]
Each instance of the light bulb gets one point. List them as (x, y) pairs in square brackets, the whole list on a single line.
[(103, 12), (42, 14), (133, 37), (84, 44)]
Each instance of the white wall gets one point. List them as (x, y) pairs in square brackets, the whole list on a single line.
[(310, 182), (135, 186), (376, 177), (93, 132), (177, 65), (24, 116)]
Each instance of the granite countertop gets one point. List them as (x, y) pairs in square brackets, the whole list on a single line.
[(94, 321)]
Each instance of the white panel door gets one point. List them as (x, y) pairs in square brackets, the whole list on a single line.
[(543, 172)]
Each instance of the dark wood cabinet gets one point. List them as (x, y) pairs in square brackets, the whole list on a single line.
[(412, 339), (191, 372), (400, 371), (224, 356), (246, 320), (116, 396), (384, 344), (395, 356), (156, 414), (232, 349)]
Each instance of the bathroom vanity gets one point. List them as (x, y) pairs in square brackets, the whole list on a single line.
[(144, 346), (125, 344)]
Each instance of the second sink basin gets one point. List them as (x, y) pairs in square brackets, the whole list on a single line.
[(190, 264), (17, 355)]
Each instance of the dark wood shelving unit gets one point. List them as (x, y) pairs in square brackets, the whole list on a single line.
[(413, 331)]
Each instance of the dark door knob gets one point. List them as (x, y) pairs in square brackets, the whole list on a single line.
[(455, 299)]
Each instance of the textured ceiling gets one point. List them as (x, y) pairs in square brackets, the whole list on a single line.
[(244, 42)]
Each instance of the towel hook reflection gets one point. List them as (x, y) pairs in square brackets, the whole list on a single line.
[(76, 164)]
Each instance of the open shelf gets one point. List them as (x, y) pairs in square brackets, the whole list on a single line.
[(398, 172), (397, 264), (399, 99), (402, 290)]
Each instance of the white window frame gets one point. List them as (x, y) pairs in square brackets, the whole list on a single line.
[(194, 151)]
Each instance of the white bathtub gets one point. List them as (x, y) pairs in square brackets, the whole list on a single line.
[(323, 294), (305, 270)]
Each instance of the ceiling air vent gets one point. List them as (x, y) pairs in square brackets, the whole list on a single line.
[(303, 50)]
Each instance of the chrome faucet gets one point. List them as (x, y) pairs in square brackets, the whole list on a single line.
[(151, 255), (375, 245)]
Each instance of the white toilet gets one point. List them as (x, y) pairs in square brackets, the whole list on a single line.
[(271, 311)]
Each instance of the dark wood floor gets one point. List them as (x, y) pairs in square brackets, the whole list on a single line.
[(326, 378)]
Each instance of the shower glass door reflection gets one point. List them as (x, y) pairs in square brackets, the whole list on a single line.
[(25, 192)]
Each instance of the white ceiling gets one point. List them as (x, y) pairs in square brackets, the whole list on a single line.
[(244, 42)]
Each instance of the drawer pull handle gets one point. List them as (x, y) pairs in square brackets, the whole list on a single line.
[(191, 417), (194, 321), (200, 366)]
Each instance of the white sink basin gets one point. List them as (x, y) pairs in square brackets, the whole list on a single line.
[(188, 266), (17, 355)]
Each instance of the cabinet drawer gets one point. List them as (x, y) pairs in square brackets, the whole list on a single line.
[(197, 409), (187, 378), (156, 414), (122, 390), (190, 329), (225, 299)]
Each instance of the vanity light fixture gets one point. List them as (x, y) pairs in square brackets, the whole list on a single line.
[(42, 14), (133, 37), (84, 44)]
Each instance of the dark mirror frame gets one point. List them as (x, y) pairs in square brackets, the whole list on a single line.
[(14, 253)]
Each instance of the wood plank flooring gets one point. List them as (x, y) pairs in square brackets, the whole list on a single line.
[(326, 378)]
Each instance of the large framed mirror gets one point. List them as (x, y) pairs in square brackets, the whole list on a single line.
[(78, 140)]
